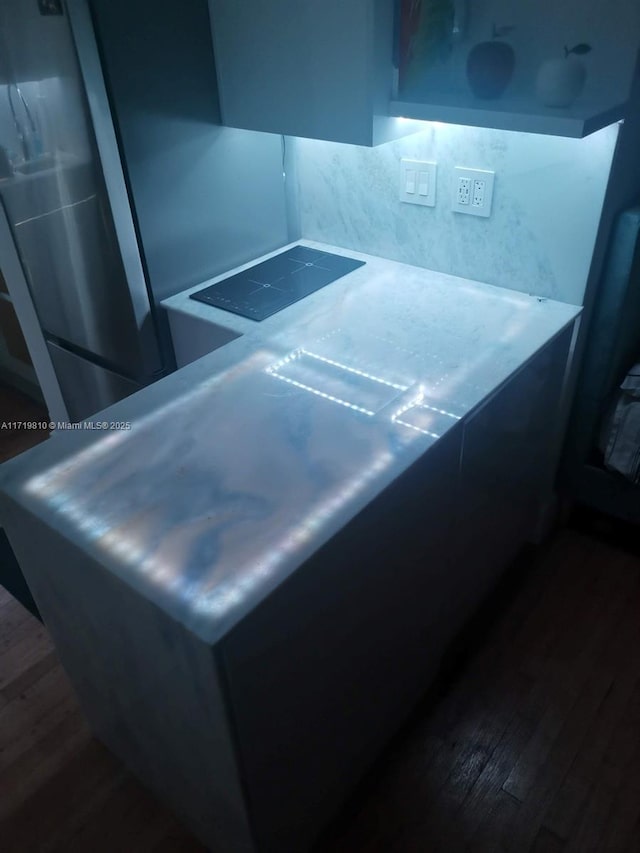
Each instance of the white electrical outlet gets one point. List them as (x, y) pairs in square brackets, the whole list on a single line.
[(478, 193), (472, 191), (418, 182), (464, 190)]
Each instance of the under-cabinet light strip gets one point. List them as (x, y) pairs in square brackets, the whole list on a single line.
[(354, 370), (434, 409), (315, 391), (416, 428), (416, 403)]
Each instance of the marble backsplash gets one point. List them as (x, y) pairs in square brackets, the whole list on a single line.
[(546, 207)]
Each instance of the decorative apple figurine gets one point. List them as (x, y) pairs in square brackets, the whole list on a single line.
[(560, 81), (490, 65)]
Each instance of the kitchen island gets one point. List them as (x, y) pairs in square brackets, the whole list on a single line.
[(251, 586)]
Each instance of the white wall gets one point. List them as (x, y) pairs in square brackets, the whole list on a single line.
[(548, 199)]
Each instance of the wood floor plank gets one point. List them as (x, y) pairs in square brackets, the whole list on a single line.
[(620, 833), (486, 793), (495, 833), (549, 778), (538, 637), (480, 745), (547, 842), (177, 840), (432, 797), (130, 812), (598, 818), (35, 767), (12, 616), (24, 653), (6, 598), (20, 631), (64, 803), (27, 677), (585, 771), (388, 808), (571, 678), (28, 717), (589, 830)]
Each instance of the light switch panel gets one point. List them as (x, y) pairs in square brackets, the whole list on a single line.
[(418, 182)]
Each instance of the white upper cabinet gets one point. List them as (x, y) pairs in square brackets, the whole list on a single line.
[(348, 70), (321, 69)]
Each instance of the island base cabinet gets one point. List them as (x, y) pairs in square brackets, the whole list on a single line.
[(257, 732), (323, 673), (507, 468)]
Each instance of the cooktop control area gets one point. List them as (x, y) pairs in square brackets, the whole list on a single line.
[(267, 288)]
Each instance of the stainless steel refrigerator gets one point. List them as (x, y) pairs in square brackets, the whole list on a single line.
[(118, 187), (65, 201)]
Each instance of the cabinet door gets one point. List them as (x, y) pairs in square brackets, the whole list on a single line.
[(325, 670), (321, 69), (507, 466)]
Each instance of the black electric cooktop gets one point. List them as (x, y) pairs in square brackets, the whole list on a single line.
[(266, 288)]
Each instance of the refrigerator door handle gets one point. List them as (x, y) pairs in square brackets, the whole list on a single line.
[(91, 70)]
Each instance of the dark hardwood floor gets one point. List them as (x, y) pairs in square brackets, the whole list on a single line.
[(59, 788), (535, 746), (532, 745), (16, 406)]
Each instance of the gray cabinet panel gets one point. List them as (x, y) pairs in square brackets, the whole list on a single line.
[(325, 670), (321, 69), (506, 466)]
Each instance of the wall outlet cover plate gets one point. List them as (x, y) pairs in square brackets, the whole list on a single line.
[(472, 191)]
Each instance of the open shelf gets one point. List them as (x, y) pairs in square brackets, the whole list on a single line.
[(513, 113)]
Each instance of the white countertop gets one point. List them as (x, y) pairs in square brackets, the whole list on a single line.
[(240, 466)]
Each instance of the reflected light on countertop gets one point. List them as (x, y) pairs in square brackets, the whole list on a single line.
[(208, 597), (226, 596)]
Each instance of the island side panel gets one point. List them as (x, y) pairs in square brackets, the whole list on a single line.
[(149, 689), (325, 670)]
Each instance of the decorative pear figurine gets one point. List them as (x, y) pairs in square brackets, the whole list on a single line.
[(490, 65), (560, 81)]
